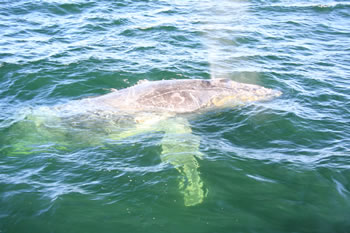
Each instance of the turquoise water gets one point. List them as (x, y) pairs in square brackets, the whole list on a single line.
[(276, 166)]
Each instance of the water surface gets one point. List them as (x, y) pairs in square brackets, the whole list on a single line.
[(277, 166)]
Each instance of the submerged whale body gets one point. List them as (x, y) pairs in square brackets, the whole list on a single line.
[(149, 106)]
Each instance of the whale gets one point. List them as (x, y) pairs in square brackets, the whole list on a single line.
[(147, 107)]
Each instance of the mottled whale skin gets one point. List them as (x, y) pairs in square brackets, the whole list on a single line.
[(182, 96)]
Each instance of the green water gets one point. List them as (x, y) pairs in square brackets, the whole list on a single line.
[(276, 166)]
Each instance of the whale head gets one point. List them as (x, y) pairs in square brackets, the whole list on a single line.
[(229, 93)]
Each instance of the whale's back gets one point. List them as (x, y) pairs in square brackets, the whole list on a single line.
[(184, 96)]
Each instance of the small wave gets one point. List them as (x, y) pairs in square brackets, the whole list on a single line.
[(317, 7), (130, 32)]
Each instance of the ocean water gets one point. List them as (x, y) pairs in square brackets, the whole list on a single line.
[(276, 166)]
